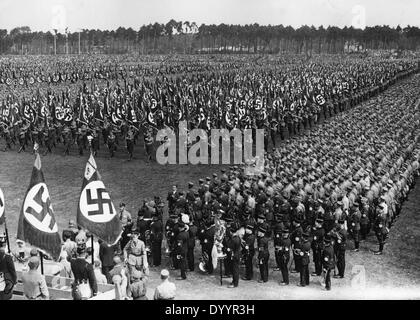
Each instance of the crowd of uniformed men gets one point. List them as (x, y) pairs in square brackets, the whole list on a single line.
[(320, 194), (320, 190)]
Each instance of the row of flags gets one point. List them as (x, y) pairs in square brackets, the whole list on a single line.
[(37, 223)]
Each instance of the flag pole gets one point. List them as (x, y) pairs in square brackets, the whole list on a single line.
[(41, 255), (42, 261), (91, 237), (7, 237), (93, 258)]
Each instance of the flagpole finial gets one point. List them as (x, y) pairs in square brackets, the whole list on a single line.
[(36, 147), (90, 138)]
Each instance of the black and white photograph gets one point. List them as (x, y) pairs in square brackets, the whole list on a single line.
[(209, 150)]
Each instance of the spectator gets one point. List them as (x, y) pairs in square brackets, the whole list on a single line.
[(166, 290), (137, 288), (100, 277), (34, 284)]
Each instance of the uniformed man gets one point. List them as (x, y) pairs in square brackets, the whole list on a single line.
[(130, 143), (380, 226), (207, 242), (67, 140), (303, 249), (234, 244), (142, 225), (7, 138), (95, 140), (148, 145), (156, 237), (328, 261), (263, 253), (192, 233), (135, 253), (318, 233), (296, 236), (340, 238), (354, 224), (284, 255), (181, 249), (172, 199), (8, 276), (80, 138), (126, 222), (249, 251), (170, 237), (112, 147), (22, 138)]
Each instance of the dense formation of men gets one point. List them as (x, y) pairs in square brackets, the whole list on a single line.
[(340, 182), (320, 189), (283, 95)]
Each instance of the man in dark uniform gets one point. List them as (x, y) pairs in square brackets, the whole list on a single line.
[(172, 199), (283, 249), (318, 233), (192, 232), (148, 145), (277, 234), (182, 249), (295, 237), (67, 140), (263, 253), (340, 238), (328, 261), (156, 237), (249, 251), (80, 138), (380, 228), (207, 242), (7, 138), (106, 131), (364, 222), (130, 143), (142, 225), (170, 234), (190, 193), (235, 249), (304, 253), (83, 271), (22, 138), (8, 276), (354, 225), (110, 141), (201, 189), (95, 140)]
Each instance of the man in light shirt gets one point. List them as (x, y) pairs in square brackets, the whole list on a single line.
[(34, 284), (166, 290)]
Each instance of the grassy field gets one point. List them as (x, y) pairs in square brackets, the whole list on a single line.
[(396, 274)]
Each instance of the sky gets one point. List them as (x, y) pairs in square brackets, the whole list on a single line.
[(44, 15)]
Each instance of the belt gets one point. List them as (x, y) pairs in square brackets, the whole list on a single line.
[(137, 255)]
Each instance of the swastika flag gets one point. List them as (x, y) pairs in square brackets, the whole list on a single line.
[(95, 211), (37, 224)]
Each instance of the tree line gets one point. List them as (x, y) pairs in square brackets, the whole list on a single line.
[(188, 37)]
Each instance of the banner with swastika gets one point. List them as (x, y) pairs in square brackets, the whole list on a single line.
[(37, 224), (95, 211)]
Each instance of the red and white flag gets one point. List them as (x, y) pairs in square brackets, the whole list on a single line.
[(37, 224), (95, 211)]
